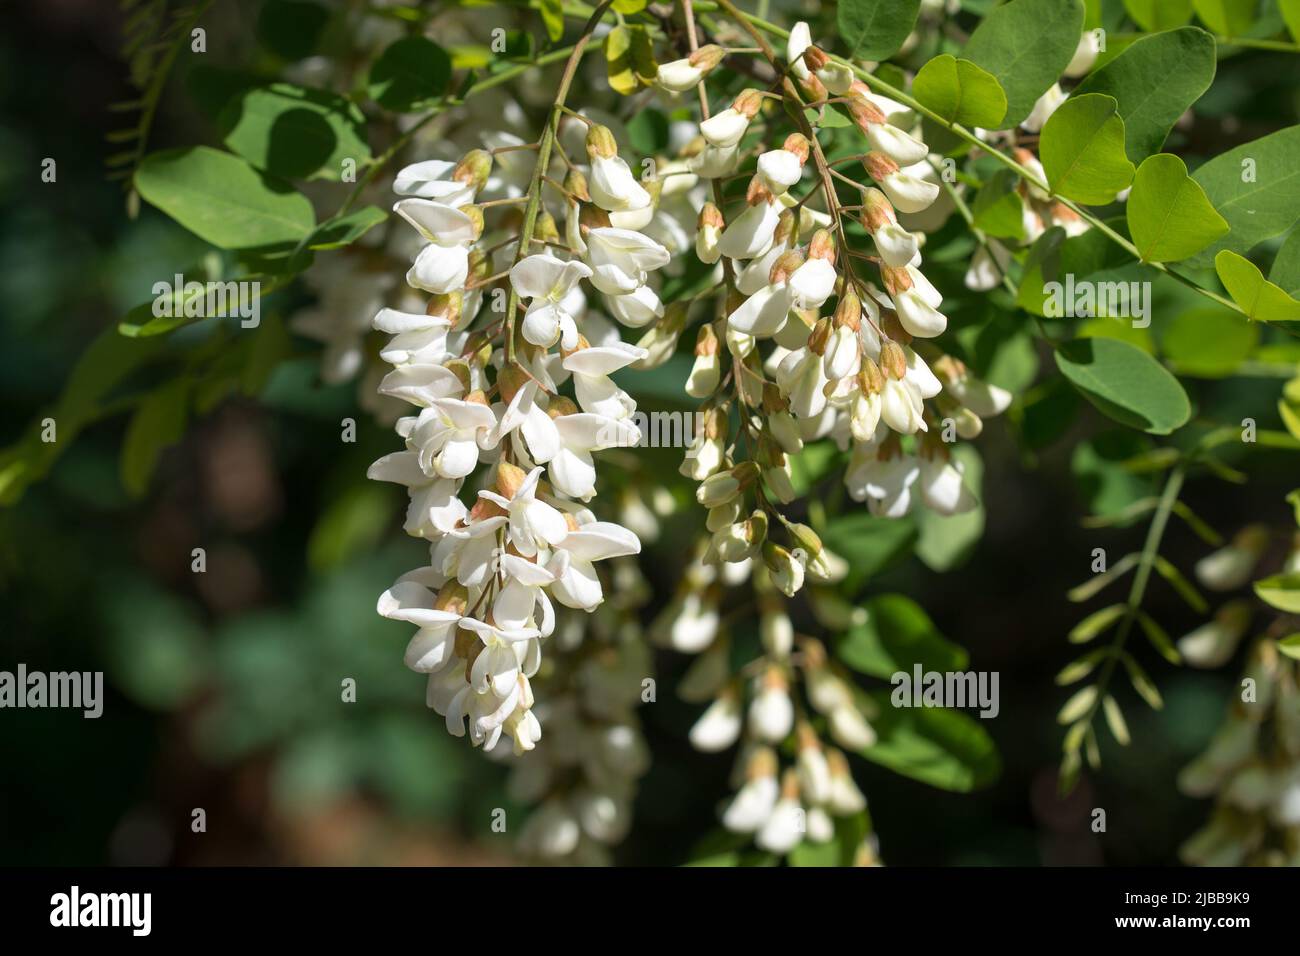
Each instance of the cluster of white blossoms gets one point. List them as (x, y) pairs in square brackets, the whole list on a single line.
[(523, 538)]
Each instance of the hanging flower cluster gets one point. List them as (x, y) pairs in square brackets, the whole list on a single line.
[(489, 401)]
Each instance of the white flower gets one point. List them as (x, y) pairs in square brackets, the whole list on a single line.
[(908, 192), (812, 283), (591, 368), (771, 712), (917, 315), (547, 281), (802, 378), (763, 313), (784, 829), (443, 264), (577, 585), (725, 129), (750, 233), (714, 162), (753, 804), (527, 415), (430, 649), (431, 180), (1213, 643), (902, 148), (900, 407), (1085, 54), (678, 76), (446, 436), (435, 508), (613, 187), (987, 267), (572, 470), (532, 524), (620, 258), (1230, 567), (637, 308), (1046, 105), (418, 339), (942, 487), (719, 726), (800, 40), (422, 384), (778, 170)]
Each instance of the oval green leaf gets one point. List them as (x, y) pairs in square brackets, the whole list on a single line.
[(1155, 80), (1256, 187), (1169, 217), (1026, 45), (223, 200), (409, 72), (961, 92), (875, 29), (1260, 299), (295, 132), (1125, 384), (1082, 150)]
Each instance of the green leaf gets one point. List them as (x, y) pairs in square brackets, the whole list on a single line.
[(1143, 684), (1256, 188), (1227, 18), (411, 71), (896, 635), (295, 132), (868, 543), (1078, 705), (1095, 624), (875, 29), (1210, 342), (1155, 80), (347, 229), (1260, 299), (1115, 720), (553, 18), (1125, 383), (1281, 591), (630, 59), (1159, 638), (223, 200), (1169, 217), (998, 209), (1291, 15), (1185, 589), (291, 29), (1290, 646), (939, 747), (1026, 45), (159, 421), (1082, 150), (1285, 272), (1156, 15), (960, 92)]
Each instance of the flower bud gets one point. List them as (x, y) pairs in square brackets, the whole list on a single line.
[(474, 169), (893, 361), (787, 572), (601, 142), (717, 489), (748, 102)]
